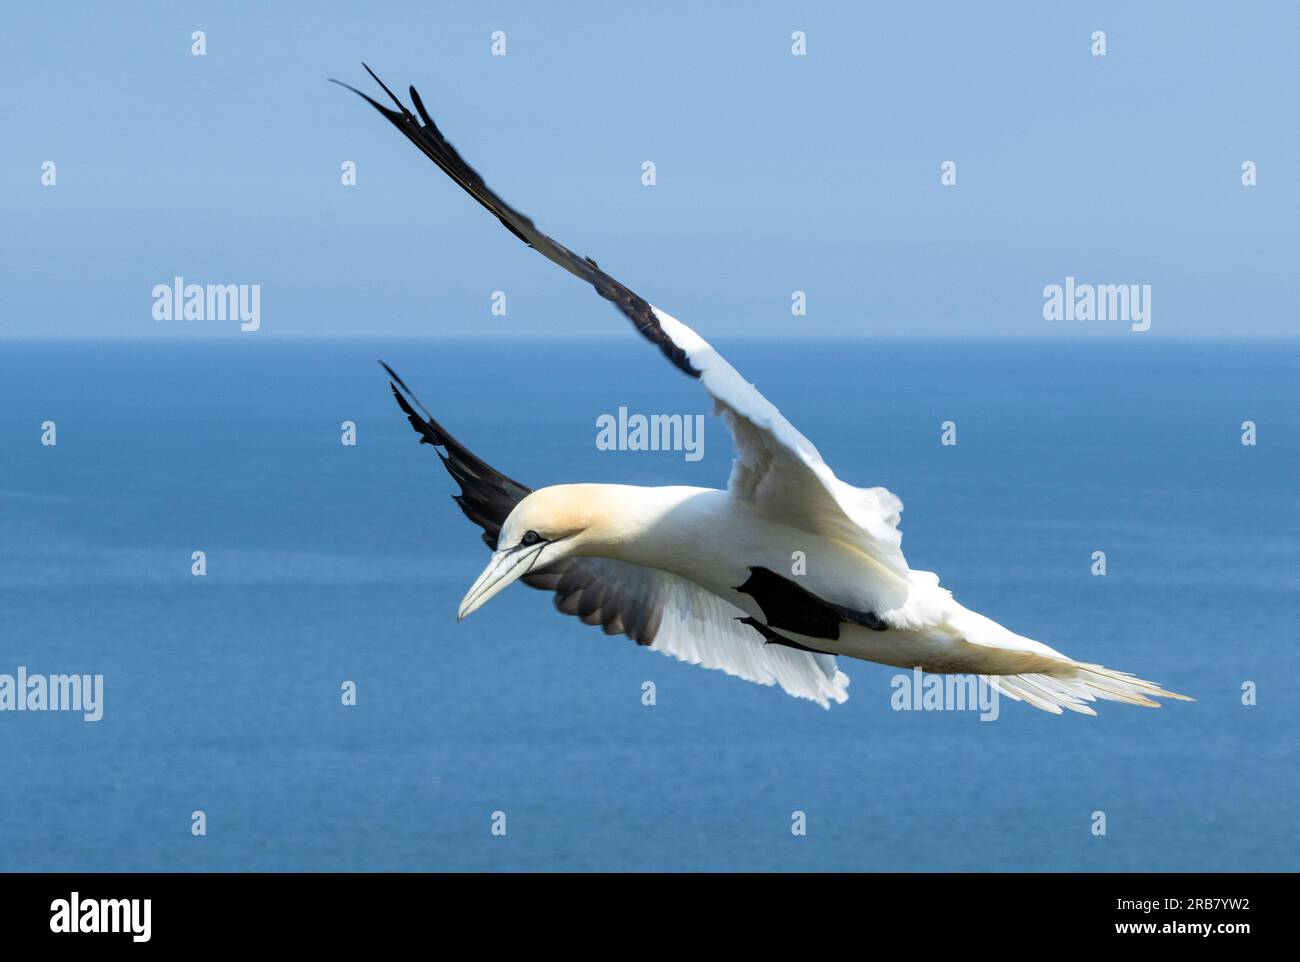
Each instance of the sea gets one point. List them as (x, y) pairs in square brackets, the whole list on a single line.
[(309, 701)]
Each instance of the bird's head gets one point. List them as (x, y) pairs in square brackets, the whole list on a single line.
[(548, 525)]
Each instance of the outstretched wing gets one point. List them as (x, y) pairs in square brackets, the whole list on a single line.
[(486, 495), (430, 140), (777, 471), (679, 618), (654, 608)]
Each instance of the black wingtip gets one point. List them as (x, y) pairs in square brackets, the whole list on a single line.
[(392, 96), (345, 86), (419, 107), (435, 146), (395, 381), (388, 112)]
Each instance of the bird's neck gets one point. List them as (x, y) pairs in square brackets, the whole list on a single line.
[(657, 527)]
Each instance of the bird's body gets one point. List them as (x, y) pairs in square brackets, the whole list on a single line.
[(770, 579), (707, 537)]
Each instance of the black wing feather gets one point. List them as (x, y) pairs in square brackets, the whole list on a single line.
[(486, 495), (437, 148), (590, 588)]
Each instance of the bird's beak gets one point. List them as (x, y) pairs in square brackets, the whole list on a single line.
[(506, 565)]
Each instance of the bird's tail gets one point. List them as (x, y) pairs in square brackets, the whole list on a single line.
[(1027, 670), (1074, 684)]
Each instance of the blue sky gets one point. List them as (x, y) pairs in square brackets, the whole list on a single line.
[(775, 173)]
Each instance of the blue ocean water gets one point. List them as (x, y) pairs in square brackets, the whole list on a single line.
[(328, 563)]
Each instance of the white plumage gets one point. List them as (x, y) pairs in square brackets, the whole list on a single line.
[(704, 575)]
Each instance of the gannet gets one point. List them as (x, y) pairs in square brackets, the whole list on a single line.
[(705, 575)]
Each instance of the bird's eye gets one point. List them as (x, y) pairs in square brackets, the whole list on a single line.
[(530, 537)]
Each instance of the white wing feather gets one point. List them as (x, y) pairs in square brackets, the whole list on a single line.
[(780, 473), (700, 628), (677, 617)]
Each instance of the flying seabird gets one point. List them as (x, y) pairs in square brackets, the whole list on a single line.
[(703, 574)]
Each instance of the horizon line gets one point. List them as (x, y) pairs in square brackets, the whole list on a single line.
[(803, 337)]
